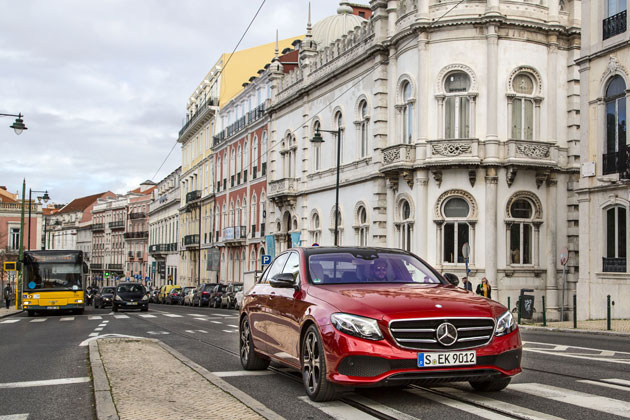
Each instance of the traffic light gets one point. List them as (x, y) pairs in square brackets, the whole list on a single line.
[(107, 274)]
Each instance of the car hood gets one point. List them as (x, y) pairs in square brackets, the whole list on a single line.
[(397, 301), (107, 295)]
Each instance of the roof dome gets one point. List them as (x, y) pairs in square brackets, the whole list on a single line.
[(330, 29)]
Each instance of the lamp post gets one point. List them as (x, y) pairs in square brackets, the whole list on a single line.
[(45, 197), (317, 139), (17, 126)]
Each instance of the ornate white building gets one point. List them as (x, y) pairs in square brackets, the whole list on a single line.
[(459, 125)]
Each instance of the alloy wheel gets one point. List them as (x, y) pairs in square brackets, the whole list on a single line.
[(245, 339), (311, 362)]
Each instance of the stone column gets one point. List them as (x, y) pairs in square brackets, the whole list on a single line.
[(392, 16), (423, 89), (490, 222), (422, 210), (552, 77), (392, 70), (492, 63), (551, 286), (492, 7), (422, 14)]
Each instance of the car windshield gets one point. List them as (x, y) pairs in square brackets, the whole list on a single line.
[(39, 276), (130, 288), (107, 290), (238, 288), (369, 267)]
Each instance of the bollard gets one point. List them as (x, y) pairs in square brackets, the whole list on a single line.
[(608, 313), (574, 311), (544, 313), (519, 303), (509, 309)]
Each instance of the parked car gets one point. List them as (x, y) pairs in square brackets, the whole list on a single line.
[(215, 295), (348, 316), (153, 294), (202, 294), (164, 291), (228, 299), (104, 297), (174, 296), (130, 296), (189, 296), (185, 291)]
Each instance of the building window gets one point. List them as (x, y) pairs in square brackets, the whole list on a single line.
[(457, 106), (406, 110), (317, 149), (405, 225), (521, 232), (339, 127), (363, 128), (617, 154), (362, 226), (255, 158), (616, 240), (339, 225), (523, 108), (263, 154), (14, 238), (456, 229), (315, 229), (616, 18)]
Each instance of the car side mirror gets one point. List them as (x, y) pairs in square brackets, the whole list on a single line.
[(452, 278), (283, 281)]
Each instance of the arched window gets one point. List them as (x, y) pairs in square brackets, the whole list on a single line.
[(406, 108), (404, 225), (315, 230), (238, 214), (339, 126), (457, 105), (245, 157), (225, 216), (252, 260), (362, 124), (263, 153), (263, 213), (339, 225), (616, 142), (616, 253), (523, 107), (232, 165), (254, 220), (521, 232), (225, 169), (244, 215), (362, 226), (239, 160), (317, 149), (255, 157), (231, 217), (456, 229)]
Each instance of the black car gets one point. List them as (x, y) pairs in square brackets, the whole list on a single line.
[(202, 295), (130, 296), (174, 297), (104, 297), (216, 294)]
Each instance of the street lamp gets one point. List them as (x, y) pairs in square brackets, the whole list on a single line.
[(18, 126), (45, 197), (317, 139)]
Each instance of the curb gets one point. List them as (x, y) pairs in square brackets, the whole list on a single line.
[(105, 408), (12, 313), (572, 331), (252, 403)]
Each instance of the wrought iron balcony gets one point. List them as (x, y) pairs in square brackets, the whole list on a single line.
[(234, 234), (202, 111), (617, 163), (614, 265), (615, 24), (137, 235), (95, 266), (190, 240), (98, 226), (114, 266), (138, 215), (193, 195), (118, 224)]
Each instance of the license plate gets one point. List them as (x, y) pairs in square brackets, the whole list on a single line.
[(132, 303), (52, 307), (452, 358)]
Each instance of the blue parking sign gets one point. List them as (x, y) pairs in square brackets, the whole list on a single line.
[(266, 259)]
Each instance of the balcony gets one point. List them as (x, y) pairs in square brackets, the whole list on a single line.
[(531, 153), (398, 158), (161, 248), (201, 116), (137, 235), (286, 187), (98, 227), (117, 267), (234, 235), (95, 266), (190, 240), (118, 224), (452, 152), (137, 215), (614, 265), (615, 25), (617, 163), (193, 196), (239, 124)]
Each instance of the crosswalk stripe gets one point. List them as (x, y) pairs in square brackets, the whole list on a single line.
[(15, 417), (94, 334), (604, 384), (617, 381), (28, 384), (147, 316), (201, 319), (216, 322), (95, 317), (339, 410), (121, 316), (173, 315), (496, 404), (229, 331), (39, 320), (70, 318), (376, 406), (581, 399), (233, 326), (458, 405), (9, 321), (98, 329)]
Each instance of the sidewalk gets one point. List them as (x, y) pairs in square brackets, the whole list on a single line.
[(136, 379), (598, 326), (4, 312)]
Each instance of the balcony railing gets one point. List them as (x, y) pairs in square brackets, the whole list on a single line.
[(239, 124), (98, 226), (202, 109), (192, 196), (614, 265), (137, 235), (617, 163), (118, 224), (234, 233), (615, 24), (157, 248), (138, 215), (95, 266), (114, 266), (284, 186), (191, 240)]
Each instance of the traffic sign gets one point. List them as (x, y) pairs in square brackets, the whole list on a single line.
[(10, 266), (266, 259)]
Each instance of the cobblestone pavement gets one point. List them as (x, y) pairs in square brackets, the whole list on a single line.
[(148, 382)]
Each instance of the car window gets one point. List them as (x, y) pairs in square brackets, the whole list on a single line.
[(293, 266), (130, 288), (275, 268), (107, 290)]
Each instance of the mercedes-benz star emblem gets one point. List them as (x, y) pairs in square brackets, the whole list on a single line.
[(446, 334)]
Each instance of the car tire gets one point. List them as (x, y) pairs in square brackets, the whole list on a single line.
[(78, 311), (317, 387), (30, 313), (114, 308), (492, 385), (144, 309), (249, 359)]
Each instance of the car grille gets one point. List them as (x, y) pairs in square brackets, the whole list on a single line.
[(420, 334)]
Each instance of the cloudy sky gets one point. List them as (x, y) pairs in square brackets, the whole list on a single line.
[(103, 84)]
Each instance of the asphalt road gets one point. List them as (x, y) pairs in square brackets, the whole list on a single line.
[(565, 375)]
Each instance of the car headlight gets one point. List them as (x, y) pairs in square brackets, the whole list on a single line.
[(79, 301), (357, 326), (117, 297), (505, 324), (145, 298)]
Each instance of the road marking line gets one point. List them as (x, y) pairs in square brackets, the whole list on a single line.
[(70, 318), (575, 356), (9, 321), (203, 331), (581, 399), (220, 315), (607, 353), (376, 406), (604, 384), (229, 331), (196, 315), (573, 347), (233, 326), (190, 331), (173, 315), (491, 403), (98, 329), (201, 319), (102, 324), (28, 384), (481, 412), (15, 417), (121, 316), (158, 332), (147, 316), (338, 410), (216, 322), (560, 348), (243, 373), (94, 334), (40, 320), (617, 381), (94, 317)]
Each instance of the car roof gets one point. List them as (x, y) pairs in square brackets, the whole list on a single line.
[(314, 250)]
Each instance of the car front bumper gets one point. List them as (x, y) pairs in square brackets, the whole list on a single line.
[(352, 361)]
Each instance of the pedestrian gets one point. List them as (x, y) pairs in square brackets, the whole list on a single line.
[(7, 295), (484, 289), (466, 284)]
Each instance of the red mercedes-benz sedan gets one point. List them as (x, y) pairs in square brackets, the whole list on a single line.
[(374, 316)]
